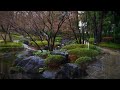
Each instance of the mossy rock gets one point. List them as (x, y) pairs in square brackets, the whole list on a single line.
[(54, 61), (83, 62)]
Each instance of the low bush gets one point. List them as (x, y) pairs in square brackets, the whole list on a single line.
[(54, 61), (40, 43), (80, 52), (15, 36), (10, 46), (73, 46), (1, 41), (82, 60), (91, 40)]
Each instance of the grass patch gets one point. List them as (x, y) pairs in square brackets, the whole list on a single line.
[(73, 46), (10, 46), (80, 52), (110, 45), (40, 43)]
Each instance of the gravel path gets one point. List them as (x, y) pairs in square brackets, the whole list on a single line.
[(107, 67)]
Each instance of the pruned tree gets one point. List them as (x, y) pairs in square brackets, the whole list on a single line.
[(6, 18)]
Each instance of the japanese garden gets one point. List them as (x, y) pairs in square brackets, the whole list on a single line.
[(59, 44)]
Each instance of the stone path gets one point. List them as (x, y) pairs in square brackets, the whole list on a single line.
[(107, 67)]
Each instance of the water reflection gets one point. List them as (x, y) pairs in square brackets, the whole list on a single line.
[(6, 61)]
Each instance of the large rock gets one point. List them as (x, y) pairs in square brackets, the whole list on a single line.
[(70, 71), (49, 74), (22, 55), (31, 64), (67, 71)]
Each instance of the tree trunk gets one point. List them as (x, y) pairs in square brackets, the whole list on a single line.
[(101, 26), (95, 29)]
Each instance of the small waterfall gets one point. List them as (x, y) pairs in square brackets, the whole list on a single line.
[(27, 47)]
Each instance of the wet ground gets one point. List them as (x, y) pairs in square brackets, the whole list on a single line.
[(107, 67)]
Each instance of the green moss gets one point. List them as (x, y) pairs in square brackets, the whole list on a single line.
[(10, 46), (79, 52), (40, 43), (54, 60), (73, 46), (82, 60)]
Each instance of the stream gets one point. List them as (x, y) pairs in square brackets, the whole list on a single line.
[(7, 60)]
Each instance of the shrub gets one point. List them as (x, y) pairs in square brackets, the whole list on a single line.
[(73, 46), (40, 43), (15, 36), (54, 61), (82, 60), (1, 41), (79, 52), (91, 40), (10, 46)]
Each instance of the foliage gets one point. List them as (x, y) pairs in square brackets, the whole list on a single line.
[(43, 54), (110, 45), (10, 46), (16, 36), (73, 46), (91, 40), (57, 43), (79, 52), (54, 61), (82, 60), (40, 43), (58, 39), (1, 41)]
